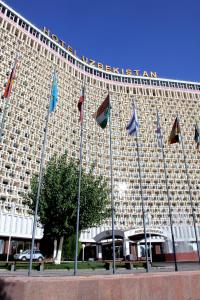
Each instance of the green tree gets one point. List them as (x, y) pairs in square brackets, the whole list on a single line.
[(69, 247), (57, 209)]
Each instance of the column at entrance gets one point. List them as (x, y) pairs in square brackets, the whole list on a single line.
[(126, 248), (6, 247), (99, 251), (139, 250)]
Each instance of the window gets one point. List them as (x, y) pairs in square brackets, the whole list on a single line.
[(44, 40), (34, 32), (8, 27), (11, 16), (89, 70), (71, 59), (63, 53), (23, 24), (2, 9), (107, 76), (53, 46)]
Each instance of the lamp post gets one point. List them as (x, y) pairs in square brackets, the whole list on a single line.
[(121, 189), (12, 207), (148, 222), (83, 252)]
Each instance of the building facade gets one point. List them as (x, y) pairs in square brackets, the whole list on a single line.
[(39, 53)]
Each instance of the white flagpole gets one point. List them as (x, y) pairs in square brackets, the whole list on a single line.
[(168, 195), (79, 188), (111, 185), (142, 198), (6, 106), (39, 187)]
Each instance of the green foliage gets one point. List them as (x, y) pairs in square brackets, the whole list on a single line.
[(57, 208), (69, 248)]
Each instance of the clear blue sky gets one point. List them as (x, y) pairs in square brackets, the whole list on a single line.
[(157, 35)]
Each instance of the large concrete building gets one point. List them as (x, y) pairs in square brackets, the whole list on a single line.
[(39, 53)]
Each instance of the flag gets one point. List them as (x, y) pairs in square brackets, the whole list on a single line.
[(80, 105), (158, 131), (10, 82), (133, 125), (197, 136), (54, 94), (102, 113), (175, 133)]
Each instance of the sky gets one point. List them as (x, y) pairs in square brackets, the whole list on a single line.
[(157, 35)]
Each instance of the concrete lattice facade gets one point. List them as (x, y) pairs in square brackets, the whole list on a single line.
[(24, 128)]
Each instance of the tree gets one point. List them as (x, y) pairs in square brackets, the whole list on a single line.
[(69, 247), (57, 208)]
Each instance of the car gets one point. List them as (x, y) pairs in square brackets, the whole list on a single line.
[(25, 255)]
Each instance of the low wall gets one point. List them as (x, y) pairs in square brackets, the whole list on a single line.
[(181, 256), (157, 286)]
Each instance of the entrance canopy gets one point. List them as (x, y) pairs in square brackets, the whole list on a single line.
[(106, 235), (154, 235)]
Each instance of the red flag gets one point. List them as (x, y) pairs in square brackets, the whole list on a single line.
[(197, 136), (175, 133), (80, 105), (11, 79)]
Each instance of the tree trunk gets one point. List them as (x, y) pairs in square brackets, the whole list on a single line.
[(59, 253), (55, 245)]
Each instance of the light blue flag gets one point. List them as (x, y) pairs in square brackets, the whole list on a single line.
[(133, 125), (54, 94)]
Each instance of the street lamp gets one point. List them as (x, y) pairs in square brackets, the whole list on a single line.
[(12, 208), (83, 252), (148, 222)]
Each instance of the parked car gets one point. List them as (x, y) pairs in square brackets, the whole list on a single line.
[(25, 255)]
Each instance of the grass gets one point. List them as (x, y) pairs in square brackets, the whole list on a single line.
[(19, 265), (69, 265), (52, 266), (81, 265)]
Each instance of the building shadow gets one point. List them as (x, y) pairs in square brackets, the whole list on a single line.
[(3, 293)]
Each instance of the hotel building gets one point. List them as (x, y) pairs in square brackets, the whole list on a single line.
[(20, 149)]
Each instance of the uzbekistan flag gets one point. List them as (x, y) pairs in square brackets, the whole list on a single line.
[(54, 94), (175, 133), (133, 125), (10, 82), (197, 136), (80, 105), (102, 113)]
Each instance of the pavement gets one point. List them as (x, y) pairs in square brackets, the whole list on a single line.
[(157, 267)]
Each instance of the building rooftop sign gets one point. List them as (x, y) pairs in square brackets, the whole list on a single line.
[(99, 65)]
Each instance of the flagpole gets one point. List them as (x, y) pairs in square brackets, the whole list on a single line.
[(6, 105), (79, 190), (142, 198), (190, 194), (111, 183), (168, 195), (141, 193), (39, 188)]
